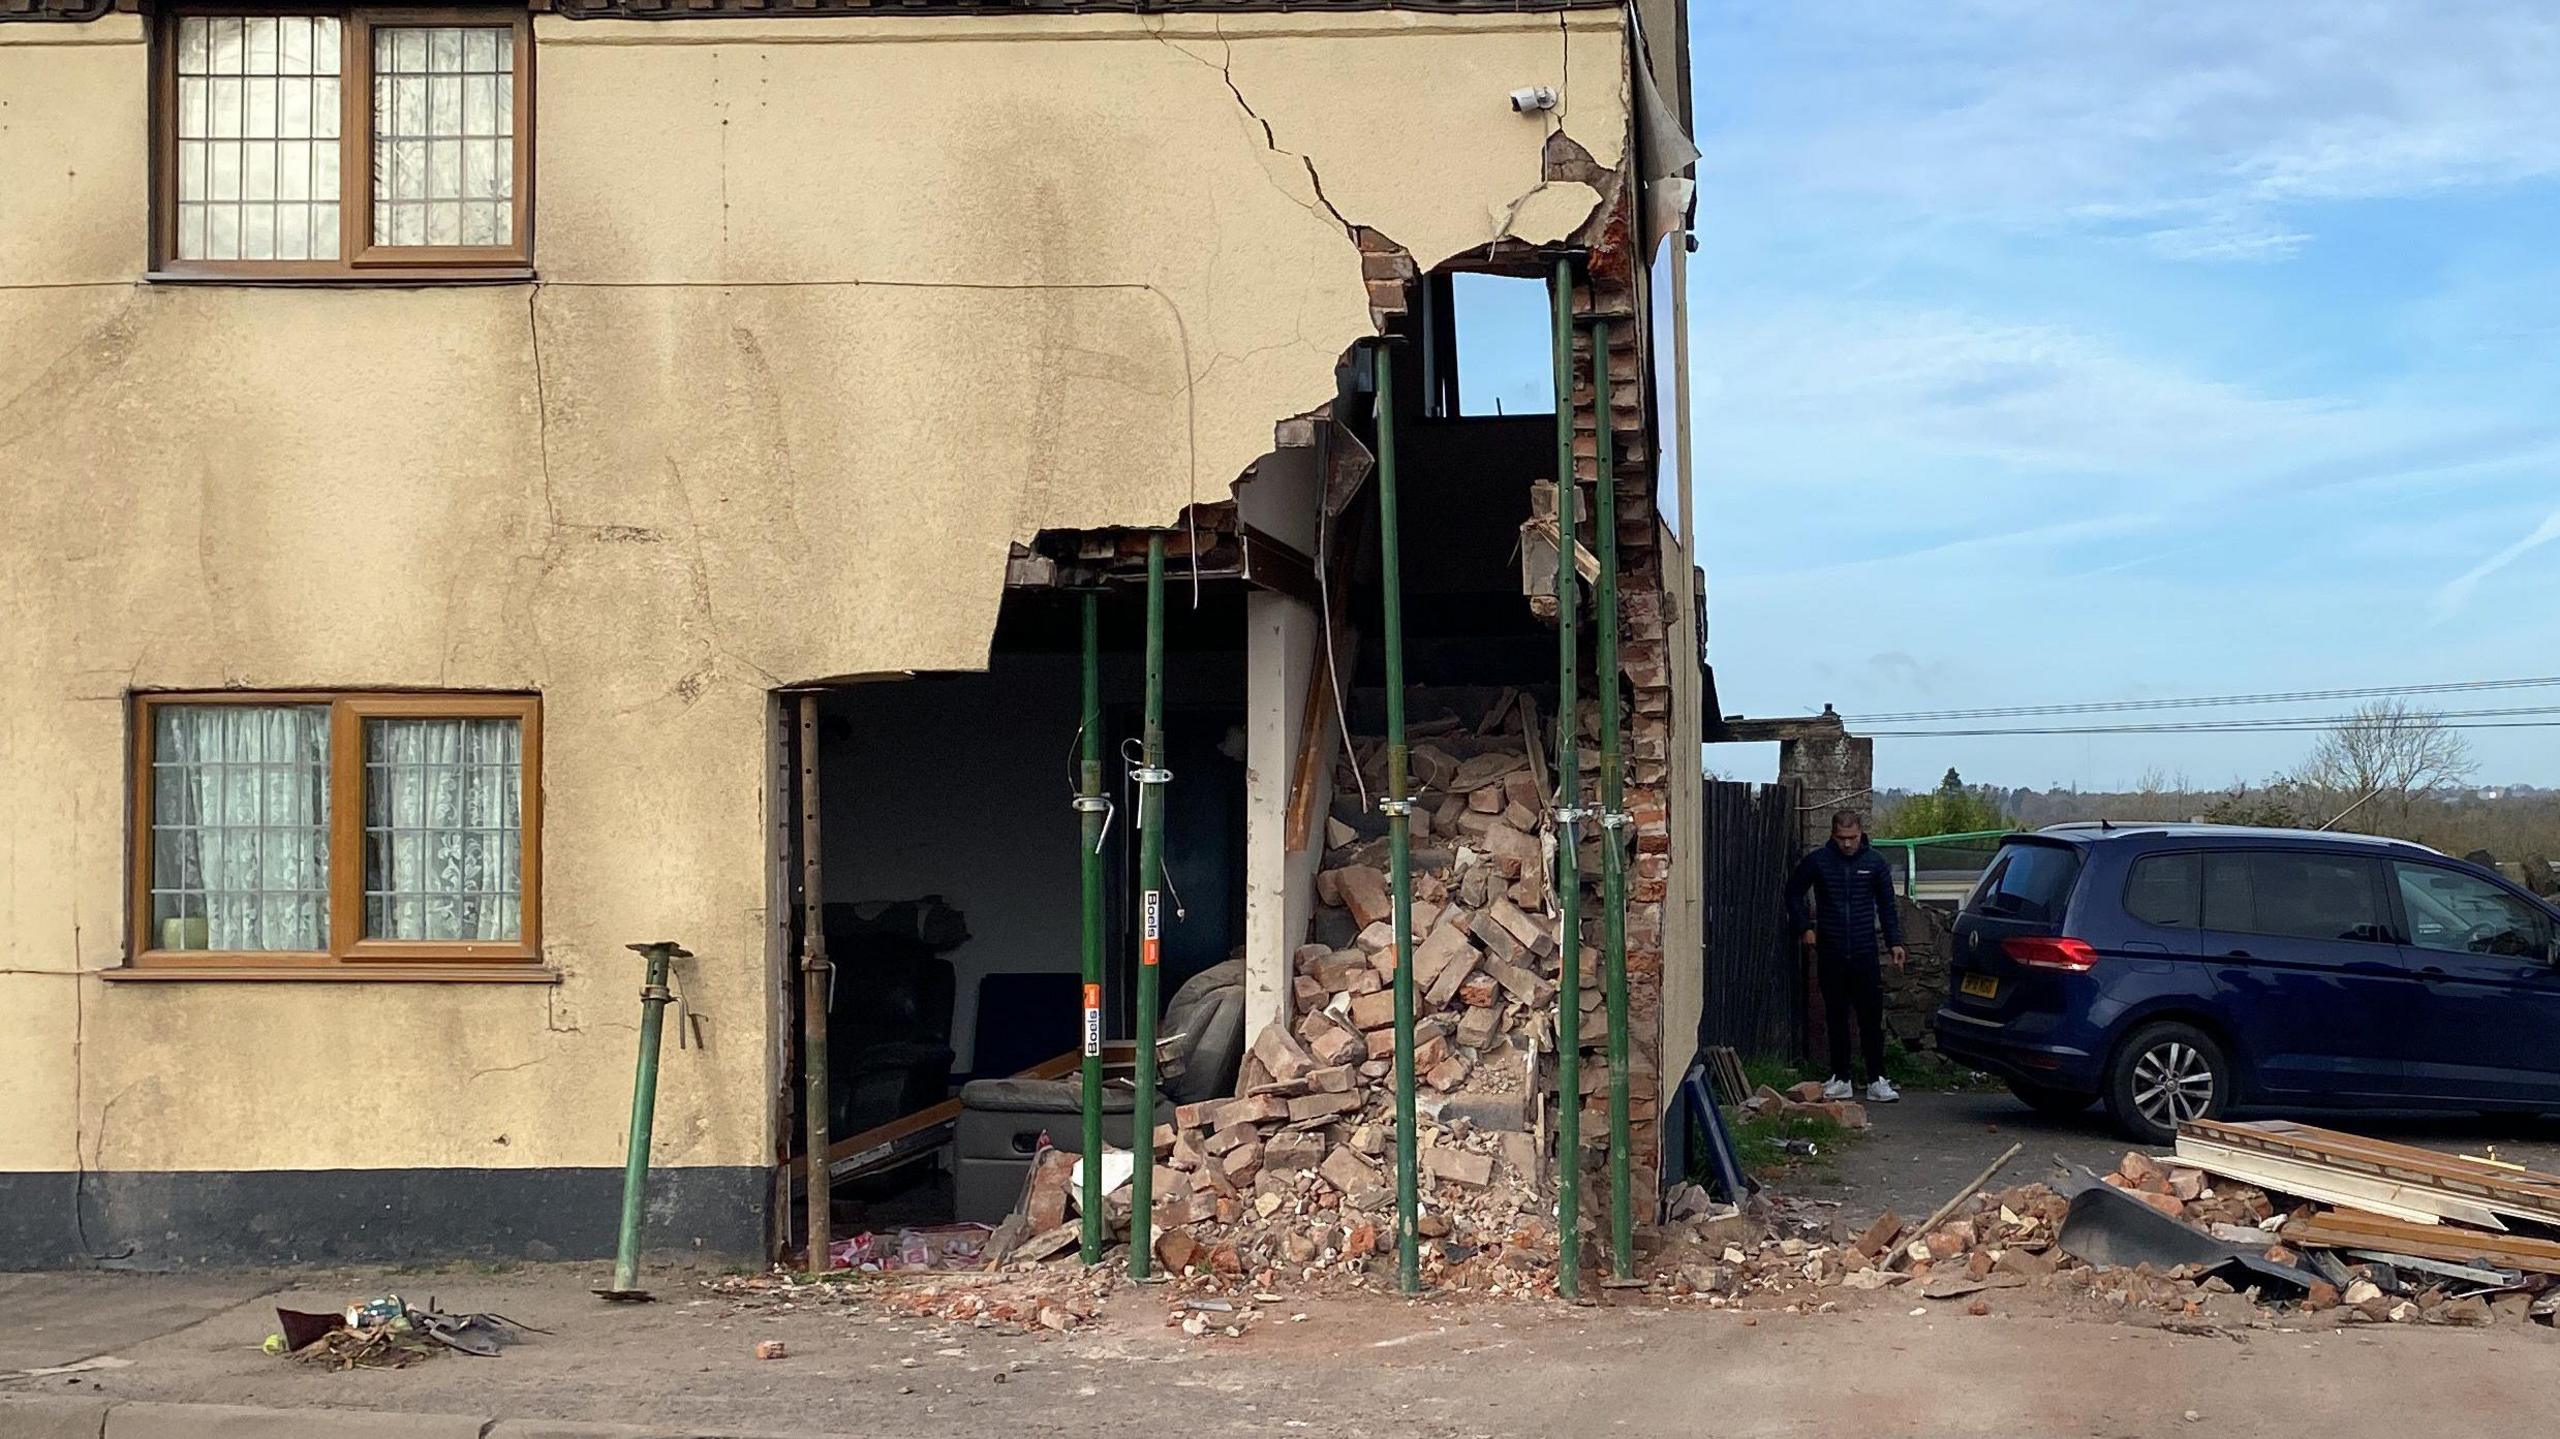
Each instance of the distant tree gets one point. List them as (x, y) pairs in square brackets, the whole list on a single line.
[(1954, 807), (2383, 761)]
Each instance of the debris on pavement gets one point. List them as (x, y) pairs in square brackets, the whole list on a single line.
[(941, 1246), (388, 1332)]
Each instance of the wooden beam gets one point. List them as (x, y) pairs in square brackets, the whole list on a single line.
[(2348, 1229)]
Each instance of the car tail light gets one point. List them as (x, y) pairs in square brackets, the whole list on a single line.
[(2050, 952)]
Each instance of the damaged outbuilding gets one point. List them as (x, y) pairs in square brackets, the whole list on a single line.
[(835, 323)]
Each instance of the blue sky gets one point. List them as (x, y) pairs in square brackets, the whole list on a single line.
[(2050, 352)]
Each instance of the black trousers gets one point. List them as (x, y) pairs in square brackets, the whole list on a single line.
[(1853, 985)]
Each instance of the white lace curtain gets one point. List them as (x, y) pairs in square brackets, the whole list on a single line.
[(443, 826), (240, 827)]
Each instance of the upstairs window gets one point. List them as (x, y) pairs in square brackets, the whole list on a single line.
[(389, 144)]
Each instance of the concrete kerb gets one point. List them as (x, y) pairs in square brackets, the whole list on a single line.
[(47, 1416)]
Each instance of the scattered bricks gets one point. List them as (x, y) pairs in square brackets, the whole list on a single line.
[(1197, 1116), (1514, 852), (1478, 1026), (1345, 1172), (1163, 1139), (1374, 1070), (1046, 1205), (1332, 1079), (1458, 1166), (1809, 1092), (1879, 1236), (1519, 1150), (1978, 1308), (1375, 940), (1444, 820), (1190, 1150), (1177, 1249), (2033, 1264), (1253, 1109), (1335, 1046), (1369, 1139), (1368, 980), (1230, 1139), (772, 1349), (1448, 1074), (2168, 1204), (1479, 885), (1488, 800), (1950, 1239), (1480, 991), (1520, 817), (1382, 1042), (1497, 940), (1289, 1153), (1329, 887), (1483, 770), (1281, 1054), (1442, 962), (1242, 1162), (1369, 1011), (1319, 1106), (2186, 1184), (2322, 1295), (1430, 1050), (1530, 934), (1521, 788), (1364, 893), (2142, 1172), (1306, 993), (1336, 970), (1361, 1242), (1307, 956), (1519, 983)]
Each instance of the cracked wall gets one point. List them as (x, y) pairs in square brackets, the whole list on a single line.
[(831, 312)]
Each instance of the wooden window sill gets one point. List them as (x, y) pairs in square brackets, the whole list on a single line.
[(338, 973), (346, 279)]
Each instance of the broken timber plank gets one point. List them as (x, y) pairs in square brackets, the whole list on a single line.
[(2347, 1229), (2412, 1203), (2526, 1195)]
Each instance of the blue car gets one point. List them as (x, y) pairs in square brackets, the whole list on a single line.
[(2183, 971)]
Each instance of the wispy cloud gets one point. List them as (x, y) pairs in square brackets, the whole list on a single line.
[(2196, 125), (2457, 592)]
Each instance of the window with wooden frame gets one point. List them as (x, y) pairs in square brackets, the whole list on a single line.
[(321, 144), (335, 832)]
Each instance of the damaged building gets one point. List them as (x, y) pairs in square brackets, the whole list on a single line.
[(493, 486)]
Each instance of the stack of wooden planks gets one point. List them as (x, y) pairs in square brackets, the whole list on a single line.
[(2387, 1197)]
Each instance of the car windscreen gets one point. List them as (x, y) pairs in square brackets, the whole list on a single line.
[(2028, 881)]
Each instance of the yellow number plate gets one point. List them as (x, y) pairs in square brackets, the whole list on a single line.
[(1981, 986)]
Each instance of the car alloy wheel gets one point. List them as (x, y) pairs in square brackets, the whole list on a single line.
[(2172, 1083)]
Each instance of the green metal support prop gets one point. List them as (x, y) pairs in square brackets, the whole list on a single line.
[(1151, 777), (1613, 820), (1398, 806), (654, 996), (1094, 810), (1568, 811)]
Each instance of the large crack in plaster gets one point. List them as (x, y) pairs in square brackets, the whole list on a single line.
[(1225, 66)]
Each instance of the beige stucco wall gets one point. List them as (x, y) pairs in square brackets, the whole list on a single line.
[(830, 312)]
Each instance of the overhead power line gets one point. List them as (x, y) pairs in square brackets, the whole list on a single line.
[(2201, 701), (2303, 725)]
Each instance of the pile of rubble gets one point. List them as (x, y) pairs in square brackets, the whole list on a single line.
[(1797, 1255), (1296, 1173), (1804, 1101), (1024, 1299)]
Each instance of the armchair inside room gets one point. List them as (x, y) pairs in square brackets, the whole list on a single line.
[(1001, 1120)]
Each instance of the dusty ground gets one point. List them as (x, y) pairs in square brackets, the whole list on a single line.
[(1920, 1150), (2041, 1363)]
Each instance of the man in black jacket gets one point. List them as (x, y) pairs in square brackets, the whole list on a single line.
[(1854, 888)]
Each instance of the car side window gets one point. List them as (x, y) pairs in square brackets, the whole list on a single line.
[(2166, 890), (2457, 913), (2294, 894), (2030, 882)]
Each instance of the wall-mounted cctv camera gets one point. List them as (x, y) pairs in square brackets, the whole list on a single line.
[(1533, 98)]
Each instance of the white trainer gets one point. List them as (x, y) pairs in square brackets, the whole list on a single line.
[(1881, 1092), (1837, 1088)]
